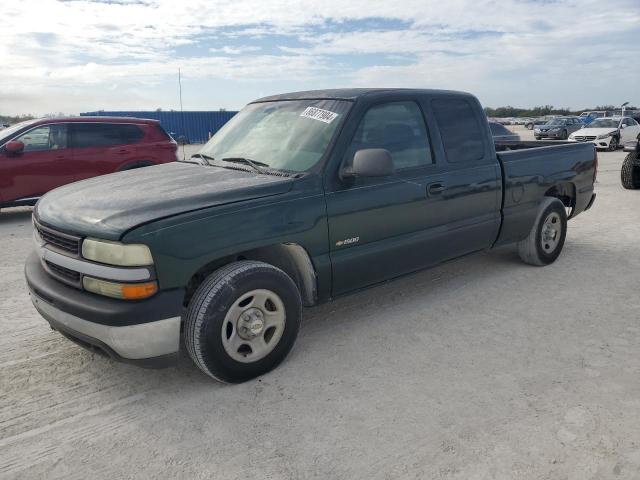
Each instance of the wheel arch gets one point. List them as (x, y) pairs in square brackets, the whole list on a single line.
[(291, 258), (566, 193)]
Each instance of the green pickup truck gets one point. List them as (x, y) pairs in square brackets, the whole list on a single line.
[(299, 199)]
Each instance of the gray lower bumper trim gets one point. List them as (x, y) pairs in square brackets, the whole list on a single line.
[(132, 342)]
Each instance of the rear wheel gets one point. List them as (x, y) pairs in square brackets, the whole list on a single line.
[(242, 321), (630, 173), (546, 239)]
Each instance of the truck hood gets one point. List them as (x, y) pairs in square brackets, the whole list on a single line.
[(107, 206)]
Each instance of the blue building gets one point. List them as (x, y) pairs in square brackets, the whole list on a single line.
[(194, 126)]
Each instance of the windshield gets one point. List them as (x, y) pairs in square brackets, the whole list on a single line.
[(286, 135), (557, 121), (7, 133), (605, 123)]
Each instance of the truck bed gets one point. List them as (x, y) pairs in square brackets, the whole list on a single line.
[(571, 170), (506, 145)]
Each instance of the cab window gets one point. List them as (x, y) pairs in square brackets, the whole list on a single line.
[(460, 130), (46, 137), (397, 127)]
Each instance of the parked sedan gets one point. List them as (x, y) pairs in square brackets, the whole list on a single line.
[(559, 128), (608, 132), (500, 132), (534, 122)]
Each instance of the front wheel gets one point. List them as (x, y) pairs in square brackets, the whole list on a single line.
[(630, 174), (565, 135), (538, 138), (242, 321), (613, 144), (546, 239)]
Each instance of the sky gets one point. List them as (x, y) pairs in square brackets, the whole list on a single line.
[(73, 56)]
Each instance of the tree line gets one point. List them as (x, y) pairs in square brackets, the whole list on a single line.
[(11, 119)]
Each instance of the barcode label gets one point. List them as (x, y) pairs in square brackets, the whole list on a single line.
[(319, 114)]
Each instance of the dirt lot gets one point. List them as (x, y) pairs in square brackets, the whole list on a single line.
[(479, 369)]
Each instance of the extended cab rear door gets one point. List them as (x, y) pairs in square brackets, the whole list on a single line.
[(473, 195)]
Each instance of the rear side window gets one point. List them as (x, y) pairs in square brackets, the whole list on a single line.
[(460, 130), (162, 132), (104, 134), (397, 127)]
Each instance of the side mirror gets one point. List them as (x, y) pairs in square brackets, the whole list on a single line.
[(371, 162), (623, 126), (14, 147)]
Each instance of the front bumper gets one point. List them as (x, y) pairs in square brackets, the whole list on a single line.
[(598, 142), (548, 134), (144, 332)]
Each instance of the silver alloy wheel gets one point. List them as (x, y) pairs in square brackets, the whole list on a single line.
[(551, 232), (613, 144), (253, 325)]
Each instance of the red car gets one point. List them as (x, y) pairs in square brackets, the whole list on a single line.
[(39, 155)]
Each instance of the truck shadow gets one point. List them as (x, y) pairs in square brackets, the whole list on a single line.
[(18, 215), (352, 314)]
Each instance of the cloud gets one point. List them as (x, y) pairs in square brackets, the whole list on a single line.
[(235, 50), (58, 55)]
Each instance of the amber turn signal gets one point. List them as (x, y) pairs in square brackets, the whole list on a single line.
[(125, 291)]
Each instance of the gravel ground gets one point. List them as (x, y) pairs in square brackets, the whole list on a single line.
[(483, 368)]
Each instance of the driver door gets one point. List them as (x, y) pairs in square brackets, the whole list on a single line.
[(45, 163), (631, 130)]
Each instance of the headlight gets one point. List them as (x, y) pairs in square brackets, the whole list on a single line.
[(115, 253), (605, 135), (124, 291)]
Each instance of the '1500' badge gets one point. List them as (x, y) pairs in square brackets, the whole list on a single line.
[(347, 241)]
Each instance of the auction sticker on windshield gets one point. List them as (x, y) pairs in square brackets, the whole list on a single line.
[(325, 116)]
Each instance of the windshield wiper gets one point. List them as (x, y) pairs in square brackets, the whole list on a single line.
[(247, 161), (207, 158)]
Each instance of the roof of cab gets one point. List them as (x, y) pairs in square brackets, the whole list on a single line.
[(96, 119), (352, 94)]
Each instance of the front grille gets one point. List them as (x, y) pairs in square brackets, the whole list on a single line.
[(583, 138), (64, 273), (61, 241)]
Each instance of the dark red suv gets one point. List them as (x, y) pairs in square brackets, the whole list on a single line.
[(39, 155)]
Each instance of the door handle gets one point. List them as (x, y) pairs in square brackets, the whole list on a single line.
[(435, 188)]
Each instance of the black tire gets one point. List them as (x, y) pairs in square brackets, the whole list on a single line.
[(533, 249), (630, 173), (565, 135), (613, 144), (208, 311), (538, 138), (530, 126)]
